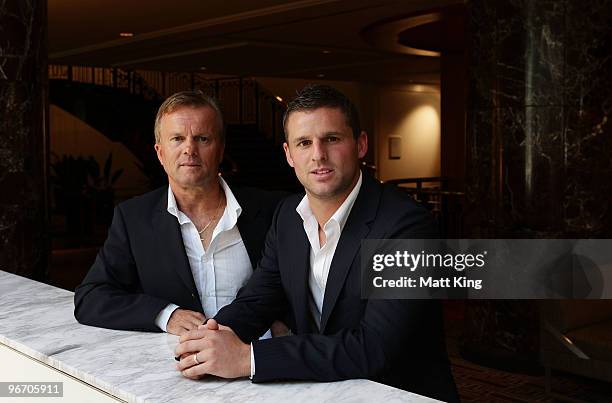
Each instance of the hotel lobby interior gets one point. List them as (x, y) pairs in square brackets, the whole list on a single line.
[(494, 115)]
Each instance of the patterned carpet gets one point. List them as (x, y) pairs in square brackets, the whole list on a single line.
[(481, 384)]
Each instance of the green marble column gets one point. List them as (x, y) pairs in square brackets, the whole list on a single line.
[(23, 137), (539, 143)]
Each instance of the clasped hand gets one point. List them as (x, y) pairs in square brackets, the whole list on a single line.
[(184, 320), (213, 349)]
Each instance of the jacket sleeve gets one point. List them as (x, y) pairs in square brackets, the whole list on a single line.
[(111, 294), (362, 351)]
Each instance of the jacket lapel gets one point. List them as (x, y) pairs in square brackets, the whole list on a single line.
[(356, 228), (170, 243), (247, 225), (300, 255)]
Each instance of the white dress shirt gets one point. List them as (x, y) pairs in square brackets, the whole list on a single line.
[(321, 256), (222, 269)]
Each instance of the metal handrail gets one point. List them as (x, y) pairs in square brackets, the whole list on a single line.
[(443, 203), (243, 100), (419, 181)]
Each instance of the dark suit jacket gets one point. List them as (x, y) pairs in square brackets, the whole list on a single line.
[(143, 266), (395, 342)]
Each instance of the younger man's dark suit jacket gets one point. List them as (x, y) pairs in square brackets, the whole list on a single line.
[(395, 342), (143, 266)]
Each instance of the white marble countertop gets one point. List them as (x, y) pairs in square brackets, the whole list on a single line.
[(37, 320)]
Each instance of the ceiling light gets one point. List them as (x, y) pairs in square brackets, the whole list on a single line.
[(327, 52), (321, 75), (126, 34), (203, 68), (279, 99)]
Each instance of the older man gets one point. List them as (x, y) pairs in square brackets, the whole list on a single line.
[(175, 256), (310, 271)]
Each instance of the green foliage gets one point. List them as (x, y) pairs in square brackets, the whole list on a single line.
[(77, 178), (107, 180), (83, 174), (71, 173)]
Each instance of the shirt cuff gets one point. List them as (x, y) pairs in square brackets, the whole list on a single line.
[(252, 363), (162, 318)]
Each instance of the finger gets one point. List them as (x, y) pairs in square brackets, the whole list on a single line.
[(206, 355), (180, 357), (177, 329), (188, 361), (182, 366), (191, 346), (191, 313), (193, 316), (195, 378), (192, 335), (196, 371), (198, 316), (181, 331), (190, 324), (195, 321), (212, 324)]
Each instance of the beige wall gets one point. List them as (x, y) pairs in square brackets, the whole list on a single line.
[(411, 112), (71, 136)]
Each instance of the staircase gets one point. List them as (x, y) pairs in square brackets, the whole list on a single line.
[(259, 161), (122, 106)]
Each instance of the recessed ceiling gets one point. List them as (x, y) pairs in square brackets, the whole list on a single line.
[(302, 39)]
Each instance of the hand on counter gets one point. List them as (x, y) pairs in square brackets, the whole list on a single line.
[(213, 349), (184, 320)]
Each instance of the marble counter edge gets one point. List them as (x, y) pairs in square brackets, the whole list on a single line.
[(89, 379), (48, 355)]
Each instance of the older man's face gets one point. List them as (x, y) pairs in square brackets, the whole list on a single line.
[(190, 148)]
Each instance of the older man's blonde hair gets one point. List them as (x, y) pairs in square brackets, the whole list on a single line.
[(190, 99)]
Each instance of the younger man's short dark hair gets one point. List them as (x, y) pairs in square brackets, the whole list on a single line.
[(315, 96)]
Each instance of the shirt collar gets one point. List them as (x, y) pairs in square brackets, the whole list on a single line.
[(341, 215), (232, 206), (172, 206)]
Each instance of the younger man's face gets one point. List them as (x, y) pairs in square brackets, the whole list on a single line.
[(321, 148)]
